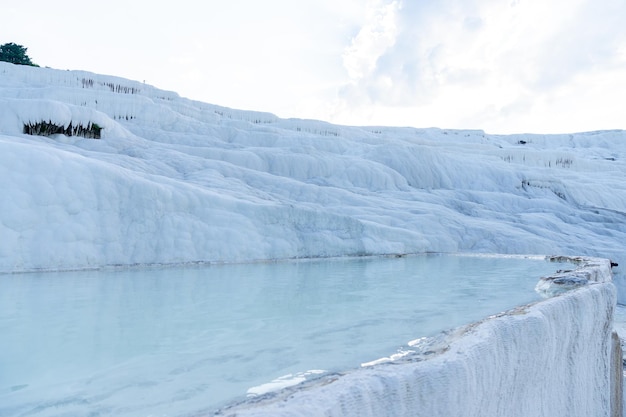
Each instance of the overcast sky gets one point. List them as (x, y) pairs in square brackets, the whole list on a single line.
[(504, 66)]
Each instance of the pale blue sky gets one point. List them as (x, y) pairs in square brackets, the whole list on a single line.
[(499, 65)]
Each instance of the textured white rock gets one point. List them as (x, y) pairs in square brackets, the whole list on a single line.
[(176, 181), (552, 358)]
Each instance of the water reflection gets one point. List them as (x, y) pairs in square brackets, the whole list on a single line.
[(178, 340)]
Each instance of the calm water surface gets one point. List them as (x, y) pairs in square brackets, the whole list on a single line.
[(181, 341)]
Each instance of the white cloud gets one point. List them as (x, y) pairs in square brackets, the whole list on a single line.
[(449, 63), (476, 64), (373, 40)]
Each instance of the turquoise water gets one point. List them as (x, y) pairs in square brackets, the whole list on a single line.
[(183, 341)]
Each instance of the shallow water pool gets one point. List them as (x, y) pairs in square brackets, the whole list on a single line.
[(185, 341)]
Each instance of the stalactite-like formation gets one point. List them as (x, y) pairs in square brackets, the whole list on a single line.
[(115, 88), (91, 131)]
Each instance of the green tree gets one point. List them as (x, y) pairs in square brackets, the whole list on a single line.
[(15, 54)]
